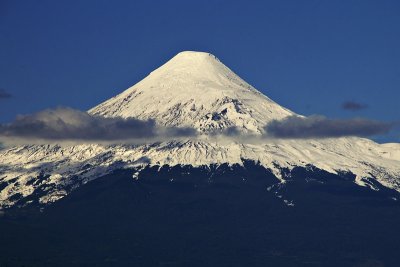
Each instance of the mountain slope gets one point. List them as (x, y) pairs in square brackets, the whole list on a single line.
[(196, 90), (168, 218)]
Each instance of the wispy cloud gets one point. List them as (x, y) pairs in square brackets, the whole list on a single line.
[(321, 127), (4, 94), (353, 106), (66, 124)]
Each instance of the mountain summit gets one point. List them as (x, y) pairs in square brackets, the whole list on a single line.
[(195, 89)]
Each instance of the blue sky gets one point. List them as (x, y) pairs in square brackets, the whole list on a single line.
[(310, 56)]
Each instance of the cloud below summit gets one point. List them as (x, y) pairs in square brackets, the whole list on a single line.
[(69, 125), (321, 127), (63, 124)]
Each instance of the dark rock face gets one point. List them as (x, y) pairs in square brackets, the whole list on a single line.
[(209, 216)]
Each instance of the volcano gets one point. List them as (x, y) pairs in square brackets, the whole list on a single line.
[(207, 200), (193, 89)]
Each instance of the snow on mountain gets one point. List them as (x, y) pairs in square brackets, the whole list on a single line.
[(193, 89)]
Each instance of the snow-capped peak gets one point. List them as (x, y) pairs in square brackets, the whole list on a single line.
[(195, 89), (192, 89)]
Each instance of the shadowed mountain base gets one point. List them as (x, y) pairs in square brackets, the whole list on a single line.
[(211, 217)]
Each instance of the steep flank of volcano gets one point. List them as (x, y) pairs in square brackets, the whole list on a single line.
[(195, 89)]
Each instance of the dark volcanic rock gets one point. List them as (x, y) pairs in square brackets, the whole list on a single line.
[(217, 216)]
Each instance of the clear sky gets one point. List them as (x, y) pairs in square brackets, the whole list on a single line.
[(309, 56)]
